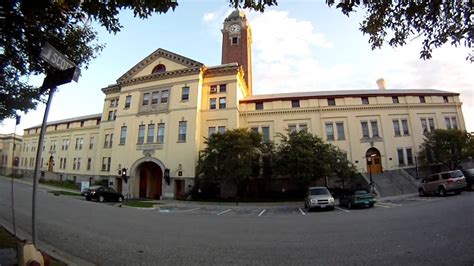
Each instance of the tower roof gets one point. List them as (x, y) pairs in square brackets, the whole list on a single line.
[(236, 14)]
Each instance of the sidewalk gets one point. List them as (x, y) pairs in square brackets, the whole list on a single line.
[(29, 181)]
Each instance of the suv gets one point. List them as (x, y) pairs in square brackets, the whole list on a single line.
[(469, 174), (318, 197), (442, 183)]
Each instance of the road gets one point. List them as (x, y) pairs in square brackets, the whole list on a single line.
[(408, 231)]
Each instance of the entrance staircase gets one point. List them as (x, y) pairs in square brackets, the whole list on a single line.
[(395, 182)]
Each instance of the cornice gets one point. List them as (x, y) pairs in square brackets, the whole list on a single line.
[(223, 71), (111, 89), (161, 76)]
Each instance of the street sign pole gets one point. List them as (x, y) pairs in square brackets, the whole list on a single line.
[(38, 164)]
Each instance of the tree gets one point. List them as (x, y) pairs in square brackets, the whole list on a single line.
[(229, 157), (27, 25), (305, 158), (447, 147)]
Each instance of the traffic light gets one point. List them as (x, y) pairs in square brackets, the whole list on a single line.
[(124, 174)]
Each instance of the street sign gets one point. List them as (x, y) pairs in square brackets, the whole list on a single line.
[(55, 58)]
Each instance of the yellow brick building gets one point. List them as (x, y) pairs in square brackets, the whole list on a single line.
[(157, 115)]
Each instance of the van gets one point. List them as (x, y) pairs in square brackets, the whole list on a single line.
[(442, 183)]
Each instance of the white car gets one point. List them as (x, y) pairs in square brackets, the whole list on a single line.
[(318, 197)]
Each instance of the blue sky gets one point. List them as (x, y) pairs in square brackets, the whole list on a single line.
[(298, 46)]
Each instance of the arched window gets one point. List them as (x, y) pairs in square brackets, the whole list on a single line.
[(160, 68)]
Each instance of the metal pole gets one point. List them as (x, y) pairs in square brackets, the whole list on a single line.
[(416, 167), (38, 162), (12, 193), (370, 176)]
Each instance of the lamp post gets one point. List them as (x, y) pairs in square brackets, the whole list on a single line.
[(369, 163), (416, 168)]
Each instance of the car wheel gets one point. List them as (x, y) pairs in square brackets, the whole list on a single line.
[(421, 192), (371, 205), (88, 198), (442, 192), (349, 205), (120, 199), (470, 187), (457, 192), (101, 198)]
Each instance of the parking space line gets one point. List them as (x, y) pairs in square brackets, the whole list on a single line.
[(383, 206), (390, 204), (223, 212), (302, 212), (341, 209), (191, 210), (262, 212)]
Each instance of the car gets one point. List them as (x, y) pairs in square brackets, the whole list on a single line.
[(357, 198), (469, 175), (318, 197), (101, 194), (442, 183)]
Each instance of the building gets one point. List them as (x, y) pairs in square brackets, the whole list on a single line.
[(9, 152), (157, 115)]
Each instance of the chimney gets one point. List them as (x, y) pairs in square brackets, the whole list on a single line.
[(381, 84)]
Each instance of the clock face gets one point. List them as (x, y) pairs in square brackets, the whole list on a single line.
[(234, 28)]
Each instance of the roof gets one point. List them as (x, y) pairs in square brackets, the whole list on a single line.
[(69, 120), (236, 14), (346, 93)]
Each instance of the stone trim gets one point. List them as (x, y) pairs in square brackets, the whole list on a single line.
[(111, 89), (158, 76)]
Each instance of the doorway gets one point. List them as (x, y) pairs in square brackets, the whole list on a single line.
[(150, 184), (374, 162)]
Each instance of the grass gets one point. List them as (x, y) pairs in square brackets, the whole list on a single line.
[(139, 203), (61, 184), (6, 240), (65, 193)]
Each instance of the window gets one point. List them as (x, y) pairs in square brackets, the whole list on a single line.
[(182, 131), (111, 139), (254, 129), (431, 123), (74, 164), (303, 127), (75, 147), (89, 163), (212, 104), (185, 94), (164, 96), (213, 89), (365, 100), (291, 128), (111, 116), (406, 132), (266, 134), (78, 164), (259, 106), (375, 129), (160, 68), (365, 129), (235, 40), (329, 131), (154, 97), (82, 123), (395, 99), (141, 134), (409, 156), (295, 103), (114, 103), (151, 133), (422, 99), (448, 122), (222, 88), (64, 163), (106, 163), (424, 126), (445, 99), (332, 102), (161, 133), (221, 129), (222, 103), (91, 143), (396, 127), (128, 101), (340, 131), (146, 98), (106, 141), (401, 159), (454, 122), (211, 131), (123, 135)]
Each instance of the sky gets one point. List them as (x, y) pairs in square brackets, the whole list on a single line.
[(299, 45)]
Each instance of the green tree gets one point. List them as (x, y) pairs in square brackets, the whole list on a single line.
[(447, 147), (229, 157), (305, 158)]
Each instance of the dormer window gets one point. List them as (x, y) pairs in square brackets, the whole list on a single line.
[(160, 68)]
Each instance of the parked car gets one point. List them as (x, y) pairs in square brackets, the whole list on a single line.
[(102, 194), (469, 175), (442, 183), (357, 198), (318, 197)]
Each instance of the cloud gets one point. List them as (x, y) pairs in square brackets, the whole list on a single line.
[(208, 17)]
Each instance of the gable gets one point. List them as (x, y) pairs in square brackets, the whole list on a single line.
[(169, 60)]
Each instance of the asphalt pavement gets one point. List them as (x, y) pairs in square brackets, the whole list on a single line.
[(397, 231)]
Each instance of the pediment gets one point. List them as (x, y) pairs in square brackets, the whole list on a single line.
[(169, 60)]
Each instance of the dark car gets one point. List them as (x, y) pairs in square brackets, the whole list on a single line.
[(357, 198), (102, 194), (469, 175)]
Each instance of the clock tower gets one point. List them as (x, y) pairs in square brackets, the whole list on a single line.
[(237, 44)]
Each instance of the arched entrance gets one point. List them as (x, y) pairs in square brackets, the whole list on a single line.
[(150, 177), (51, 164), (374, 163)]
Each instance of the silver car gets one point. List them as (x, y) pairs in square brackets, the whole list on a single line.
[(442, 183), (318, 197)]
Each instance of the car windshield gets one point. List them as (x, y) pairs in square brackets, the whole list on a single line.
[(456, 174), (318, 191), (94, 187), (360, 192), (469, 172)]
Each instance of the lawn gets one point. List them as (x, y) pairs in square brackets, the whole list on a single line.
[(65, 193), (139, 203), (61, 184), (6, 240)]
